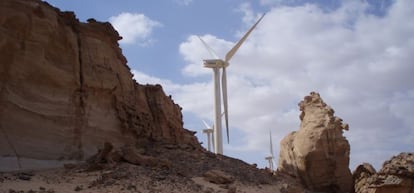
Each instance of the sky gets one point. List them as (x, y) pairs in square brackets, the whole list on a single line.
[(358, 54)]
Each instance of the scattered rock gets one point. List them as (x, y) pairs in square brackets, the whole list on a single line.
[(209, 190), (25, 175), (70, 166), (287, 188), (317, 154), (131, 187), (218, 177), (78, 188), (133, 156), (232, 189)]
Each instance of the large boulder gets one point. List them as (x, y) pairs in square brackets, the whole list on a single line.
[(318, 154), (396, 175), (65, 88)]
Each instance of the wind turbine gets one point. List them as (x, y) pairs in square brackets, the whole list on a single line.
[(209, 131), (216, 64), (271, 156)]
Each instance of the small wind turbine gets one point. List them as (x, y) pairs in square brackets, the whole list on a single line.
[(271, 157), (216, 64), (208, 131)]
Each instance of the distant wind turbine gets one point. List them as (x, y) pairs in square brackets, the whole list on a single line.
[(216, 64), (208, 131), (271, 157)]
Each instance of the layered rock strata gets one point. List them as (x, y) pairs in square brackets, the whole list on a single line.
[(65, 88), (318, 153)]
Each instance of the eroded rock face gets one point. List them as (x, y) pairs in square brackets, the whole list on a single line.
[(65, 88), (396, 175), (318, 154)]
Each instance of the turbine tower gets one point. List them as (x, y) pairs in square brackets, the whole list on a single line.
[(208, 131), (271, 157), (216, 64)]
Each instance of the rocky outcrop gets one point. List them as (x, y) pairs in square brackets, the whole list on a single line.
[(396, 175), (65, 88), (317, 154)]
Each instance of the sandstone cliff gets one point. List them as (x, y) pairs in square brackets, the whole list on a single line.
[(65, 88), (396, 175), (317, 154)]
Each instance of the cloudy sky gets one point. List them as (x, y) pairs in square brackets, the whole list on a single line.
[(358, 54)]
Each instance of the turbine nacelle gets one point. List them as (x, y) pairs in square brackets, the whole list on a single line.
[(269, 157), (208, 131), (215, 63)]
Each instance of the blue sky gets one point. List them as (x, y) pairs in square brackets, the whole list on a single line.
[(358, 54)]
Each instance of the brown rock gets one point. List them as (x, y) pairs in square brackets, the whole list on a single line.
[(103, 154), (396, 175), (218, 177), (65, 88), (134, 156), (317, 154), (287, 188), (361, 174), (364, 170)]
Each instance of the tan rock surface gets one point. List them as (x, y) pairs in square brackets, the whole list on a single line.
[(318, 153), (65, 88), (396, 175)]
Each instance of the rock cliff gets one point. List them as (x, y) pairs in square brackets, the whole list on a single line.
[(317, 154), (396, 175), (65, 88)]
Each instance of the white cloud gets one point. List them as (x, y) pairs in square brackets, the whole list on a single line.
[(274, 2), (134, 27), (361, 64), (249, 15)]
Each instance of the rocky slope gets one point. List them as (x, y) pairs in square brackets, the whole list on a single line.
[(317, 154), (396, 175), (65, 88), (157, 168)]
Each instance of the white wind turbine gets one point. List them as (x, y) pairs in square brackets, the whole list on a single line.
[(216, 64), (209, 131), (271, 157)]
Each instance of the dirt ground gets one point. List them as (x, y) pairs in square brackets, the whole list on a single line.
[(183, 170)]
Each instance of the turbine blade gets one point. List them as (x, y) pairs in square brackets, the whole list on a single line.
[(225, 103), (210, 50), (230, 54), (208, 126), (271, 143)]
